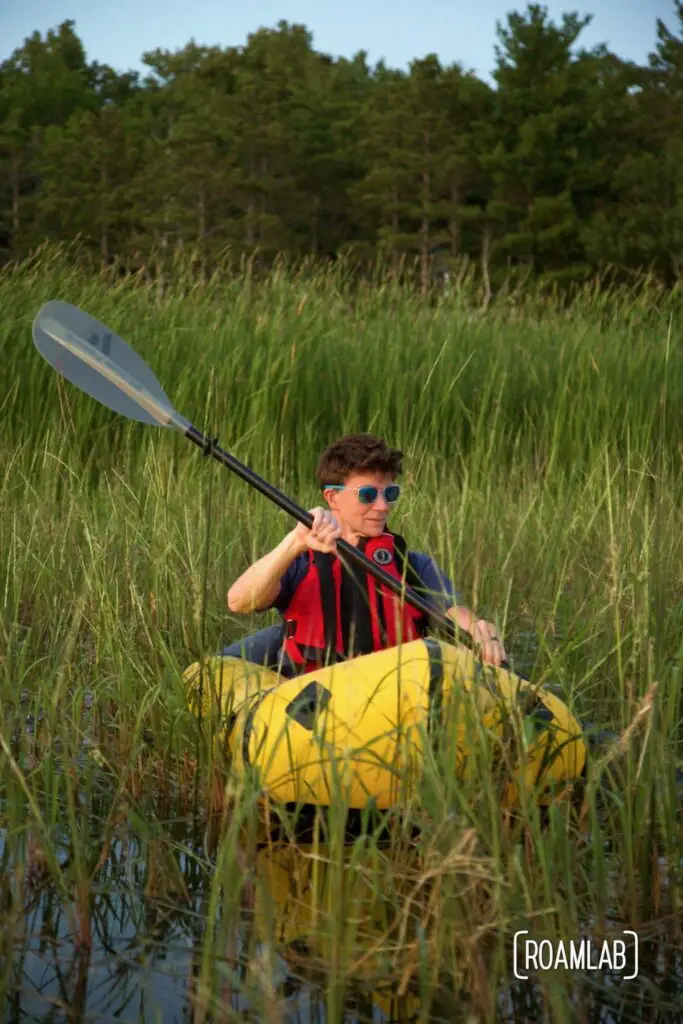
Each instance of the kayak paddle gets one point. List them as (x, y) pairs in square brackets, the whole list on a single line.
[(105, 367)]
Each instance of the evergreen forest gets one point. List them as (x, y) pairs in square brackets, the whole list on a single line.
[(568, 168)]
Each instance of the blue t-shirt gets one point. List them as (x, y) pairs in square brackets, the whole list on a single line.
[(437, 589)]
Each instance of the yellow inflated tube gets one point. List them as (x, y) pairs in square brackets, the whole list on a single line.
[(305, 899), (358, 729)]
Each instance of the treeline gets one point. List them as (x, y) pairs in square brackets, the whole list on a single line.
[(571, 166)]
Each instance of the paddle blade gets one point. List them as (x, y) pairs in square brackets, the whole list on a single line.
[(101, 364)]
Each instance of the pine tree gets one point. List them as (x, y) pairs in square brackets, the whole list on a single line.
[(41, 84), (571, 164), (86, 167), (642, 224), (545, 101)]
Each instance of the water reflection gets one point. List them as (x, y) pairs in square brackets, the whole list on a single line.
[(149, 911)]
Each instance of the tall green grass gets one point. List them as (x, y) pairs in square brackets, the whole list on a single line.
[(543, 472)]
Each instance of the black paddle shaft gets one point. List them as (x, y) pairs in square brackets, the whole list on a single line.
[(105, 367), (210, 447)]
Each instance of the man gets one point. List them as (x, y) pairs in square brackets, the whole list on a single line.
[(337, 610)]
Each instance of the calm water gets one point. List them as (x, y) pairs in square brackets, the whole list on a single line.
[(147, 914), (147, 943)]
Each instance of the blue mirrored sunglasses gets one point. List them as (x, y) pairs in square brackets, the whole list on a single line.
[(367, 494)]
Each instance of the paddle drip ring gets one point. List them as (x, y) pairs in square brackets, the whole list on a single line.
[(209, 445)]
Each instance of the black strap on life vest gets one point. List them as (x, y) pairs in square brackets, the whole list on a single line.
[(354, 600), (404, 565), (328, 602), (412, 578)]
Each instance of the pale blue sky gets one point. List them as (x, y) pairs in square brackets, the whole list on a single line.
[(118, 32)]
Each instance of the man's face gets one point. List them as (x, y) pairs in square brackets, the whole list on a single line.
[(366, 520)]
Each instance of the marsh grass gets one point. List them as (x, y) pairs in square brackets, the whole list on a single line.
[(543, 472)]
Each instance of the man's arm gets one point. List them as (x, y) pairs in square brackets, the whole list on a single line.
[(259, 587), (484, 633), (441, 593)]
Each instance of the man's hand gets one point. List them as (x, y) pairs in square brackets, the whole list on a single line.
[(484, 634), (486, 637), (323, 534)]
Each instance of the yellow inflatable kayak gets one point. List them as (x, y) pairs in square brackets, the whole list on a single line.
[(359, 731), (335, 909)]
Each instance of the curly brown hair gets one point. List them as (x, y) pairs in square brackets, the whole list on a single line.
[(357, 453)]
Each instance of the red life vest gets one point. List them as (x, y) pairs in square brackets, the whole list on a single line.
[(339, 612)]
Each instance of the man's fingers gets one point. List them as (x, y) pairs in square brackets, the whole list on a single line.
[(315, 525), (329, 529), (323, 531), (490, 644)]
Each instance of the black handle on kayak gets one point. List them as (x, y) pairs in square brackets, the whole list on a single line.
[(210, 447)]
